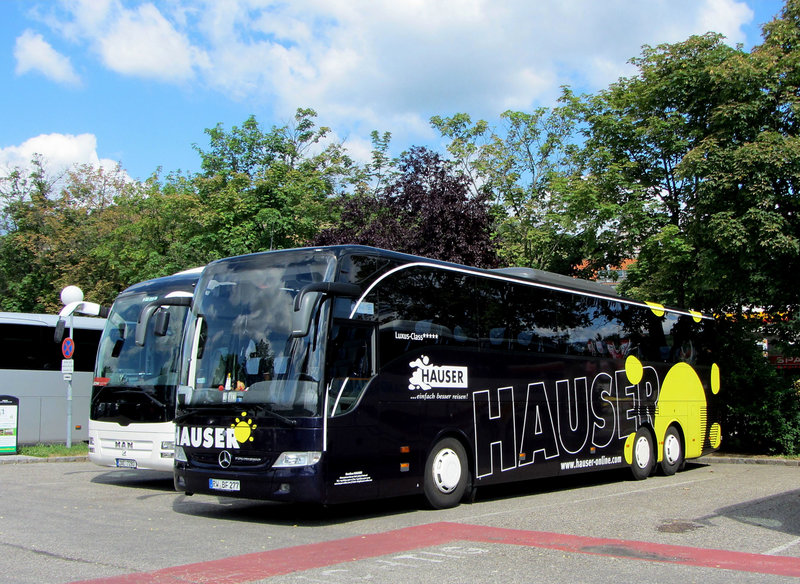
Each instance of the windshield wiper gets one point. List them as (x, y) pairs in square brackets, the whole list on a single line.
[(141, 392), (263, 408), (190, 411)]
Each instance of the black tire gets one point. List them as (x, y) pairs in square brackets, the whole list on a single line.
[(672, 455), (446, 474), (643, 458)]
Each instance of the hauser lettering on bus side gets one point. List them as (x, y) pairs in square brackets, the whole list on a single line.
[(561, 418)]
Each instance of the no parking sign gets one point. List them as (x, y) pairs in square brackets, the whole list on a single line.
[(68, 348)]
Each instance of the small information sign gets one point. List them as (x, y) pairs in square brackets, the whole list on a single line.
[(67, 366), (9, 414)]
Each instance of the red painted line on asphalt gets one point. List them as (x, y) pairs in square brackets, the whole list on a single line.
[(261, 565)]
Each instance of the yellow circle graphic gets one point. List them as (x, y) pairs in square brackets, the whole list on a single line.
[(697, 316), (634, 369), (658, 309), (242, 430), (683, 400)]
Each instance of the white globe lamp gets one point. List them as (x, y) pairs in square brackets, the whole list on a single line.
[(71, 294)]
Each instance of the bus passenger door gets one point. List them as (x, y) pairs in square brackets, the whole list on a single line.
[(352, 424)]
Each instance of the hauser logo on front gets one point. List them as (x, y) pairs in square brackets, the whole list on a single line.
[(426, 376), (207, 437), (240, 432)]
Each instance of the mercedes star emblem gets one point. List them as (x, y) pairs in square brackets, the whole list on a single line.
[(224, 459)]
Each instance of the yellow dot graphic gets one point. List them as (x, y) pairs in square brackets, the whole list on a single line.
[(634, 369), (697, 316), (628, 452), (715, 382), (658, 309), (715, 435)]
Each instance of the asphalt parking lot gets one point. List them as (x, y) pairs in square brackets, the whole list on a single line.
[(73, 522)]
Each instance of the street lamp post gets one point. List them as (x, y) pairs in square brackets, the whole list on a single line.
[(69, 295)]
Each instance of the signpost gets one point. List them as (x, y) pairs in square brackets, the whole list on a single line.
[(72, 297), (69, 294)]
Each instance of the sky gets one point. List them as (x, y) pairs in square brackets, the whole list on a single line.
[(137, 83)]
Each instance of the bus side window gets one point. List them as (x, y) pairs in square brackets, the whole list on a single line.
[(349, 366)]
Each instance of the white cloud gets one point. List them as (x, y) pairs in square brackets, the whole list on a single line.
[(143, 43), (139, 41), (33, 53), (59, 152), (726, 17)]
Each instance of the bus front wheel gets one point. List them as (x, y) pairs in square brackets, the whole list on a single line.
[(673, 457), (643, 459), (446, 474)]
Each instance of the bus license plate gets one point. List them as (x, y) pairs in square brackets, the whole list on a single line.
[(126, 463), (223, 485)]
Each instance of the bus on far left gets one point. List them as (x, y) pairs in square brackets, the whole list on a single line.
[(31, 371)]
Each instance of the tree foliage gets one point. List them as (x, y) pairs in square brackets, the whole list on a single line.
[(525, 169), (426, 210), (54, 229)]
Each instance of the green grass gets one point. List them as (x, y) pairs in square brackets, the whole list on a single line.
[(48, 450)]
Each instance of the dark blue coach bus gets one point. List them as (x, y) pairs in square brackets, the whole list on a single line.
[(346, 373)]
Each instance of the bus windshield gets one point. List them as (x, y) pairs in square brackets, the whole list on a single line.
[(136, 384), (239, 342)]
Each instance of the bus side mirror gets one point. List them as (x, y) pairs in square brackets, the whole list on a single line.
[(147, 313), (306, 300), (162, 323), (301, 316), (60, 325)]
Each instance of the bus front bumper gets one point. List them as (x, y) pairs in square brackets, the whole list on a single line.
[(303, 484)]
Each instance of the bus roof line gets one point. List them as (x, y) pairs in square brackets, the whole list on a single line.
[(518, 280)]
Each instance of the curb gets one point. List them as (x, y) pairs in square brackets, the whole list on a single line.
[(739, 459), (22, 459)]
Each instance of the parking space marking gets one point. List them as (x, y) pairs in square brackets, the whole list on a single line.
[(783, 548), (261, 565)]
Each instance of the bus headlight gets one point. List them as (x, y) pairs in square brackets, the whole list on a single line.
[(295, 459), (180, 455)]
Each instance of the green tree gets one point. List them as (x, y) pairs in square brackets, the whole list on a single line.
[(526, 169), (26, 266), (264, 190), (54, 232), (638, 202)]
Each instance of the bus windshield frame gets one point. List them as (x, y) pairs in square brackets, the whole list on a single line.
[(239, 345), (136, 384)]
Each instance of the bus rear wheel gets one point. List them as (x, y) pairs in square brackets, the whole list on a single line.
[(446, 474), (643, 460), (673, 457)]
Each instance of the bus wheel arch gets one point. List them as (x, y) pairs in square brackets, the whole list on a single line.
[(447, 475), (642, 453), (673, 452)]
